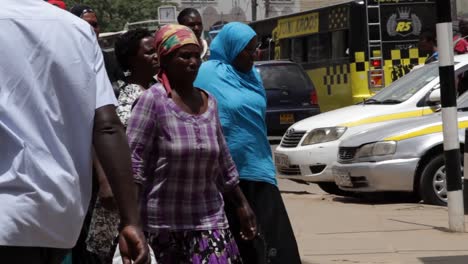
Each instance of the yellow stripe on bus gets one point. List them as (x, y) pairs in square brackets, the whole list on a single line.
[(382, 118), (424, 131)]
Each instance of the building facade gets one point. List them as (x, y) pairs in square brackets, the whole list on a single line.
[(215, 11)]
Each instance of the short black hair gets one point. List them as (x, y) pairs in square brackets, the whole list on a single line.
[(187, 12), (127, 45), (80, 10)]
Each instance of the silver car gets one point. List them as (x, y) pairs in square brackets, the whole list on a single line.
[(404, 155)]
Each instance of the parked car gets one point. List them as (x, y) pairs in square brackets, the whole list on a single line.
[(405, 155), (291, 96), (309, 148)]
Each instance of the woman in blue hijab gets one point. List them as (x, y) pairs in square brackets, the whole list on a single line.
[(231, 77)]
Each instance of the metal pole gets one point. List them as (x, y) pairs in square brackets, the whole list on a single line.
[(449, 116), (454, 9), (267, 8), (254, 10), (465, 172)]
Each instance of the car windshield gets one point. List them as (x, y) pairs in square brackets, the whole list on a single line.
[(283, 76), (405, 87)]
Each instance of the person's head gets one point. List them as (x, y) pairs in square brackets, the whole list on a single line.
[(87, 14), (427, 42), (236, 44), (463, 26), (178, 51), (191, 18), (135, 52)]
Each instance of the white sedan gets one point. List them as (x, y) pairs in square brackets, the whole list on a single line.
[(309, 148)]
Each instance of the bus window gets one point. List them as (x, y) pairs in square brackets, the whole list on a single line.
[(339, 44), (318, 47), (285, 49), (299, 50)]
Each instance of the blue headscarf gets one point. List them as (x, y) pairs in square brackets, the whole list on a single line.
[(241, 103), (230, 41)]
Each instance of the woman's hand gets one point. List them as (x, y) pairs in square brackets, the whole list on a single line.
[(247, 222), (247, 219), (133, 246)]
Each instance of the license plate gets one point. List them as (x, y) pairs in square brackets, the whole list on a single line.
[(342, 178), (286, 119), (281, 160)]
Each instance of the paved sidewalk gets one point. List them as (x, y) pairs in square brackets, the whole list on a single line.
[(331, 229)]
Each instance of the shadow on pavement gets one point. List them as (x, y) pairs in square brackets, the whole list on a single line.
[(445, 259), (443, 229), (378, 198)]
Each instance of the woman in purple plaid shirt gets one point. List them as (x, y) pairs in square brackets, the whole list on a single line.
[(181, 162)]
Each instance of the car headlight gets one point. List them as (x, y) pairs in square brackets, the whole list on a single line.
[(324, 134), (381, 148)]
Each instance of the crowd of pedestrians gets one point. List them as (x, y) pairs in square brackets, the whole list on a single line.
[(180, 163)]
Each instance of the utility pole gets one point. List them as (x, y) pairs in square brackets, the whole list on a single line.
[(267, 8), (254, 10), (454, 9), (449, 116)]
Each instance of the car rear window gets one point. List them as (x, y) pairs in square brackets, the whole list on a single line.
[(284, 76)]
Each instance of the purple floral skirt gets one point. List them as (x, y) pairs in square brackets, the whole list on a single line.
[(195, 247)]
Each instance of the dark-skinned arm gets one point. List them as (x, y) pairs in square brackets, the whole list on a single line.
[(112, 150), (228, 183), (244, 212), (106, 197)]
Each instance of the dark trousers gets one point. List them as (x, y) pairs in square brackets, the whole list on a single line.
[(276, 242), (31, 255)]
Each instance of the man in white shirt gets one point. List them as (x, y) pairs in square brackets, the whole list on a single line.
[(55, 103), (191, 18)]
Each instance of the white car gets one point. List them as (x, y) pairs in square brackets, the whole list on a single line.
[(403, 156), (309, 148)]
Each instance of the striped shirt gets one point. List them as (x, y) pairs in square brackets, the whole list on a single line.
[(181, 162)]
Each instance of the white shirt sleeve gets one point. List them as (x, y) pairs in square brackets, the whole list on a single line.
[(104, 92)]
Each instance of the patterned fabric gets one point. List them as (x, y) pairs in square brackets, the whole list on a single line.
[(103, 230), (181, 161), (171, 37), (127, 97), (196, 247), (168, 39)]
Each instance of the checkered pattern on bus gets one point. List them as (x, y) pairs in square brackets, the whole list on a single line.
[(412, 55), (335, 75)]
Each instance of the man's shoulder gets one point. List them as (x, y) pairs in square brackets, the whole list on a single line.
[(41, 11)]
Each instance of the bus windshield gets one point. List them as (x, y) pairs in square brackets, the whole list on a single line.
[(405, 87)]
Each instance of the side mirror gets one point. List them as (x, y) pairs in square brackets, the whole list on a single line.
[(434, 97)]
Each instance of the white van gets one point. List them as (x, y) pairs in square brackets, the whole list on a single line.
[(310, 147)]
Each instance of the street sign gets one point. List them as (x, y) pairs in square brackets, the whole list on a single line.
[(167, 14)]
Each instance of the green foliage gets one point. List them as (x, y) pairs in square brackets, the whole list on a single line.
[(113, 14)]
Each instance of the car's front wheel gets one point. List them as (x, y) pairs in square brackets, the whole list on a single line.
[(332, 188), (433, 184)]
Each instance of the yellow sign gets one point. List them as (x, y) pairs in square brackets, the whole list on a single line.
[(403, 26), (298, 25)]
